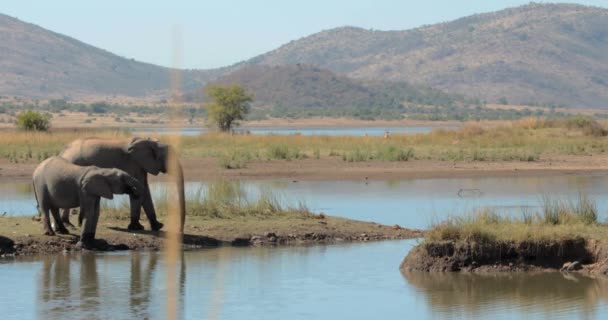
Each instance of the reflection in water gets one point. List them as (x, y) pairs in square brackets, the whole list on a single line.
[(94, 286), (89, 285), (141, 280), (475, 295), (349, 281)]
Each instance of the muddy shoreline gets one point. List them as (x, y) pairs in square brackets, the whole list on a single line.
[(568, 255), (112, 235), (324, 169)]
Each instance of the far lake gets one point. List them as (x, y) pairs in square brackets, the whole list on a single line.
[(306, 131)]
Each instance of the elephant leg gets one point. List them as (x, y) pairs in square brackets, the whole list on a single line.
[(59, 227), (65, 217), (47, 230), (135, 212), (91, 216), (148, 206)]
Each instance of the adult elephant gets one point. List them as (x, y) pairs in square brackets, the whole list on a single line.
[(137, 157)]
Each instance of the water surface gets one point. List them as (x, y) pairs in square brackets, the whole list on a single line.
[(306, 131), (350, 281), (415, 203)]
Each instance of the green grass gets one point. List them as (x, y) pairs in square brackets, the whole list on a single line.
[(556, 220), (227, 200)]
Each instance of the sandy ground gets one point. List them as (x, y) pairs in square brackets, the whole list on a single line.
[(334, 168)]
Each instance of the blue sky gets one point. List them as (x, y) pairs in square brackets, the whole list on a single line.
[(221, 32)]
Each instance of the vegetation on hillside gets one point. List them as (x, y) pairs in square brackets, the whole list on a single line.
[(537, 53)]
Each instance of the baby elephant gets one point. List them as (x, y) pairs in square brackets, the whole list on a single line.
[(61, 184)]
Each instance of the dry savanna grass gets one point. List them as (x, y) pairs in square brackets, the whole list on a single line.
[(523, 140), (556, 220)]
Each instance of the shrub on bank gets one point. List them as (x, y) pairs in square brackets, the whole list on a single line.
[(33, 121)]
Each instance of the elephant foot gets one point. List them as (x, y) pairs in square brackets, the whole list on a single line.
[(67, 223), (135, 226), (62, 230), (155, 226), (87, 242)]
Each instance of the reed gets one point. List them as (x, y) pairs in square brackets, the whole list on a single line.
[(226, 200), (555, 220)]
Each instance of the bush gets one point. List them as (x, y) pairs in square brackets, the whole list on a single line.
[(33, 121)]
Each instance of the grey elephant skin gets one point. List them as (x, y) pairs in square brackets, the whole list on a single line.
[(137, 157), (61, 184)]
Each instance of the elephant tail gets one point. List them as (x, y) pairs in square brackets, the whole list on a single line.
[(37, 201)]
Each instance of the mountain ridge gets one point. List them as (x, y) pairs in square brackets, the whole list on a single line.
[(509, 49), (536, 53)]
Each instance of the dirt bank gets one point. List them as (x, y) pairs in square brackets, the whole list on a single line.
[(572, 255), (22, 236), (333, 168)]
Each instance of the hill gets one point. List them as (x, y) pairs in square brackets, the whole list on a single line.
[(309, 90), (543, 53), (549, 54), (38, 63)]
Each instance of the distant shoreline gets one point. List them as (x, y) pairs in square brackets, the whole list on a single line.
[(78, 121), (334, 169)]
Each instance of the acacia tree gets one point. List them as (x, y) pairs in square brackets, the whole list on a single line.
[(33, 121), (230, 104)]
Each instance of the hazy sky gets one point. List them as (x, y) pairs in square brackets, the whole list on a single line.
[(216, 33)]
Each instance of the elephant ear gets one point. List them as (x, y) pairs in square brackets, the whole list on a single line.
[(97, 184)]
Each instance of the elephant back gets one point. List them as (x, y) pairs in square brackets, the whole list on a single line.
[(103, 153)]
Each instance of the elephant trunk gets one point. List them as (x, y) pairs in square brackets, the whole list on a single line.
[(174, 167), (180, 193)]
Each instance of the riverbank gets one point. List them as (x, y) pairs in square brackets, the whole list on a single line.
[(563, 235), (575, 254), (335, 169), (22, 235), (525, 147)]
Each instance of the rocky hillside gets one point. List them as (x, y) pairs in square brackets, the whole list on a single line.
[(546, 53), (305, 86), (538, 53), (38, 63)]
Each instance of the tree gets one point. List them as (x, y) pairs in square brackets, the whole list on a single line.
[(33, 121), (230, 104)]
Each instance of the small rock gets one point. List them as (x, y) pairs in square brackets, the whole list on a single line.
[(397, 227)]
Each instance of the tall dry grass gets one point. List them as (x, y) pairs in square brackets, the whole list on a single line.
[(226, 200), (555, 220), (522, 140)]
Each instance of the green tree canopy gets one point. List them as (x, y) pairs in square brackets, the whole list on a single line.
[(32, 120), (230, 104)]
